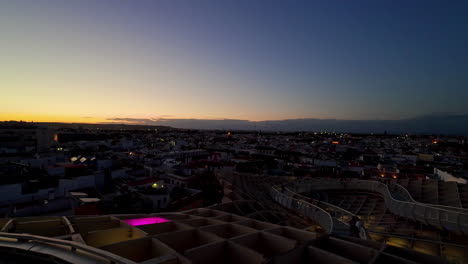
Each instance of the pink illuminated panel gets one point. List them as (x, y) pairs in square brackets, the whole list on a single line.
[(145, 221)]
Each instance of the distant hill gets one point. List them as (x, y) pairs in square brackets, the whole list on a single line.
[(448, 124), (430, 124), (107, 126)]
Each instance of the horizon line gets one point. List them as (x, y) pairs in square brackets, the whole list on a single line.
[(140, 121)]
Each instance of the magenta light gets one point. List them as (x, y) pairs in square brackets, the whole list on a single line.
[(145, 221)]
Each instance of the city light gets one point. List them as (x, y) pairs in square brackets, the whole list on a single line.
[(169, 132)]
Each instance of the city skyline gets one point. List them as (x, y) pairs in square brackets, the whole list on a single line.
[(436, 123), (92, 62), (234, 131)]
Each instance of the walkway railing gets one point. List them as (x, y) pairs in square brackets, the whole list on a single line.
[(337, 212), (340, 214), (323, 215), (397, 188), (442, 218), (23, 238), (317, 214), (402, 191)]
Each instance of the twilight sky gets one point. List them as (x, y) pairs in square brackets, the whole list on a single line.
[(94, 61)]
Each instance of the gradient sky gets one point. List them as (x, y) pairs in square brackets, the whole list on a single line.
[(91, 61)]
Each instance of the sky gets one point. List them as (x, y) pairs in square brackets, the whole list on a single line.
[(113, 60)]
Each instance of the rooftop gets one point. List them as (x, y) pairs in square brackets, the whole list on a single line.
[(195, 236)]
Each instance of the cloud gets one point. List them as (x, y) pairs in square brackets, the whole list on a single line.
[(134, 121)]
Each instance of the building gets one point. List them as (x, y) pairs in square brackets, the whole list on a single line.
[(22, 137)]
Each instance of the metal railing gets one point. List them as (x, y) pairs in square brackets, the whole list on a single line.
[(317, 214), (23, 238), (340, 214), (442, 218), (397, 188), (323, 216), (402, 191)]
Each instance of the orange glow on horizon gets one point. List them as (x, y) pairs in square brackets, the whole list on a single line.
[(62, 118), (50, 118)]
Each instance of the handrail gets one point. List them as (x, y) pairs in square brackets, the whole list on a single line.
[(112, 258), (441, 218), (339, 209), (445, 218), (363, 182), (339, 213), (443, 207), (404, 191), (411, 199), (320, 216)]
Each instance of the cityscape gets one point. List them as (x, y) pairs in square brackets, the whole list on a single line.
[(102, 180), (234, 132)]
